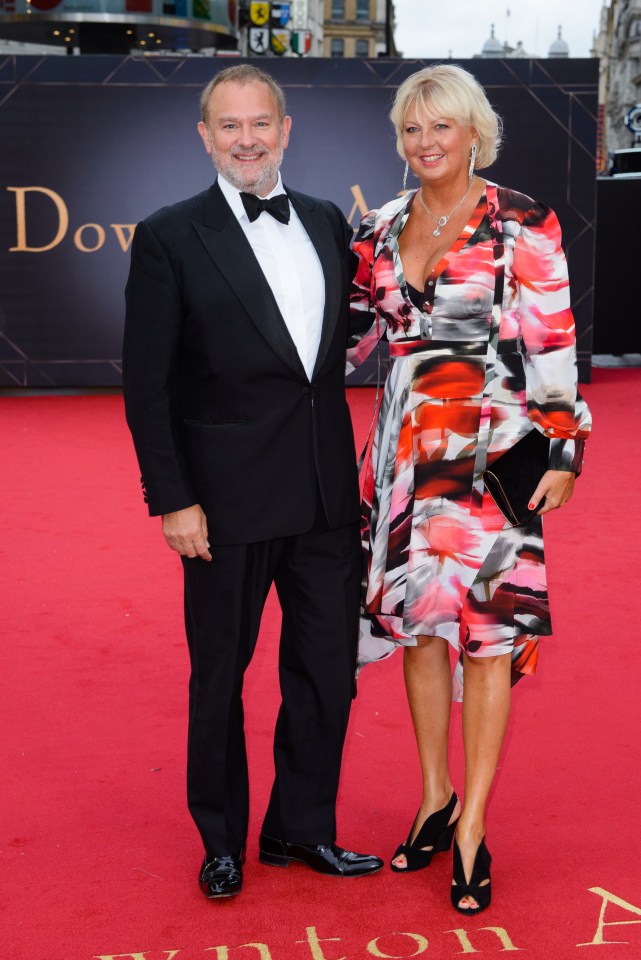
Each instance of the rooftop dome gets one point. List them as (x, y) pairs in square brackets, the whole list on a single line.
[(519, 50), (492, 47), (559, 47)]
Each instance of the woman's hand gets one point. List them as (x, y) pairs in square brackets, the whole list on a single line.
[(557, 486)]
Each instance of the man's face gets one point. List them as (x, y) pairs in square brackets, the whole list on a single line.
[(244, 135)]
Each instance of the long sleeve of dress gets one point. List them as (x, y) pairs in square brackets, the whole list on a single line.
[(365, 325), (540, 315)]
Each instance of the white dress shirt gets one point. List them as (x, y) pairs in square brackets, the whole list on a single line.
[(292, 269)]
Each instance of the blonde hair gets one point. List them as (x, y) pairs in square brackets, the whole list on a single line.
[(445, 90)]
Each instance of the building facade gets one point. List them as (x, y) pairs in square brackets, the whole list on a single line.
[(618, 45), (359, 28), (297, 23), (206, 27), (310, 15), (121, 26)]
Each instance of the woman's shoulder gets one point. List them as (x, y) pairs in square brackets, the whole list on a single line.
[(395, 205), (518, 207), (376, 221), (387, 212), (525, 220)]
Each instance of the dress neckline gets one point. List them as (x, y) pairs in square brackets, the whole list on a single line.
[(466, 234)]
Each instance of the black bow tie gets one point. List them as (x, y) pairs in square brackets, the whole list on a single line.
[(278, 206)]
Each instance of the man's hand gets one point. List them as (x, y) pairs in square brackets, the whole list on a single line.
[(186, 532), (556, 486)]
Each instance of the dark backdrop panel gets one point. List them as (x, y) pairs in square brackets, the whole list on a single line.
[(107, 140), (617, 299)]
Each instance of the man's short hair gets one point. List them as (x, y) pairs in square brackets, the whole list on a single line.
[(242, 73)]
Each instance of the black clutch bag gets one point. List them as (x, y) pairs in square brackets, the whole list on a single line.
[(514, 476)]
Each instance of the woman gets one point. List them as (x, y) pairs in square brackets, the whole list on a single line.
[(465, 278)]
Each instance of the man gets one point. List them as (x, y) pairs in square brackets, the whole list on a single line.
[(237, 313)]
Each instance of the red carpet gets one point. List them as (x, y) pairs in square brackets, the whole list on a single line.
[(99, 856)]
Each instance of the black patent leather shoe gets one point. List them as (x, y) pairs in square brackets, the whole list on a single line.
[(324, 858), (221, 876)]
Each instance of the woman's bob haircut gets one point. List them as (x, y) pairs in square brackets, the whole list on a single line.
[(450, 92)]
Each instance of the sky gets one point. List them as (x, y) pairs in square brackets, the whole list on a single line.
[(433, 28)]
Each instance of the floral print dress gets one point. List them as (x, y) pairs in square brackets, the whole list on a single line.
[(440, 560)]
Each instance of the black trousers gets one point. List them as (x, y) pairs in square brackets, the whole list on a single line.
[(317, 577)]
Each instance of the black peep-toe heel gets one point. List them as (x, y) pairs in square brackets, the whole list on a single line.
[(437, 832), (480, 872)]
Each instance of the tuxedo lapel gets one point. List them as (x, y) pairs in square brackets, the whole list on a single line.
[(230, 250), (314, 219)]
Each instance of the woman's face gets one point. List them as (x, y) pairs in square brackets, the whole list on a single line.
[(437, 148)]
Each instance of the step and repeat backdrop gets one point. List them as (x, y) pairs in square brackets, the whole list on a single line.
[(93, 144)]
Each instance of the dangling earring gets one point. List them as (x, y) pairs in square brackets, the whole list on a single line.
[(470, 173), (407, 167)]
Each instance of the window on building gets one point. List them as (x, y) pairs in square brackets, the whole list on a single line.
[(338, 10), (362, 9), (337, 47), (362, 48)]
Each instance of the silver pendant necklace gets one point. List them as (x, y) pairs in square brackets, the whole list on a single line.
[(443, 221)]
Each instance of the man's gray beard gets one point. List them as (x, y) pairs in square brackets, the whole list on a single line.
[(261, 185)]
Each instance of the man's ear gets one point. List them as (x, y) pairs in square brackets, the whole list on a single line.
[(286, 127), (204, 133)]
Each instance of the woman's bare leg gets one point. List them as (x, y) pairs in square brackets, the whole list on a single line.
[(429, 691), (486, 710)]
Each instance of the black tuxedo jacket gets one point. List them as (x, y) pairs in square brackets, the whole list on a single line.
[(221, 409)]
